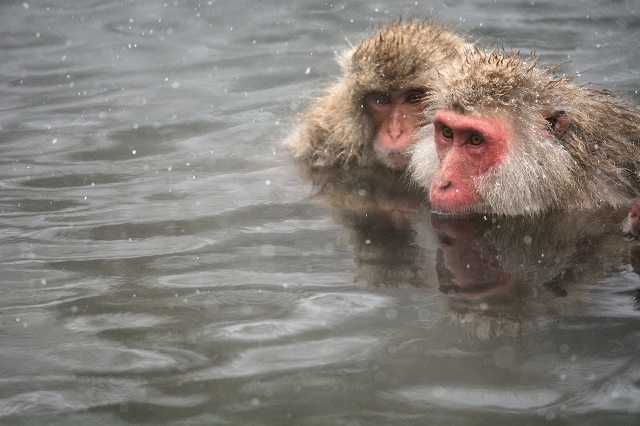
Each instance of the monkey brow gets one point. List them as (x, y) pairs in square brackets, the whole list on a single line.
[(466, 129)]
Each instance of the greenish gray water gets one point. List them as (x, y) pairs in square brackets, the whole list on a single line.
[(163, 261)]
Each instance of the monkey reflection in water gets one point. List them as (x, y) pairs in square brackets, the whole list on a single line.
[(376, 209), (498, 276), (504, 276)]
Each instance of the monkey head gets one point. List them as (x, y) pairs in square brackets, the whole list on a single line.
[(369, 116), (390, 73), (510, 137)]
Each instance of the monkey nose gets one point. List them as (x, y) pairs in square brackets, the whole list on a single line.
[(395, 128), (395, 133), (445, 185)]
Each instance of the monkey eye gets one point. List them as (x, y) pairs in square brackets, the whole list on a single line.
[(383, 99), (414, 98), (475, 140), (446, 132)]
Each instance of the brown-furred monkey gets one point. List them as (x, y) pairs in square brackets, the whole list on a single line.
[(369, 116), (515, 138)]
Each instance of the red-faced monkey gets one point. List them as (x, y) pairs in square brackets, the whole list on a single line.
[(511, 137)]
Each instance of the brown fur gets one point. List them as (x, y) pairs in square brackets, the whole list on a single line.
[(588, 157), (402, 55)]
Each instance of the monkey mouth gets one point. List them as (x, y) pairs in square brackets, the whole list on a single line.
[(397, 159), (447, 208)]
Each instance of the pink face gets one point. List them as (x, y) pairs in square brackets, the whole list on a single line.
[(467, 146), (396, 116)]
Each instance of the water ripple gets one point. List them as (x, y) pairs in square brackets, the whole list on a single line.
[(84, 394), (456, 397), (116, 321), (103, 357), (316, 312), (295, 356)]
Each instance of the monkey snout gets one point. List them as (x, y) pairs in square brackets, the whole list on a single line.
[(395, 132)]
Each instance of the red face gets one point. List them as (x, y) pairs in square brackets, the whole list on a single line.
[(396, 116), (467, 146)]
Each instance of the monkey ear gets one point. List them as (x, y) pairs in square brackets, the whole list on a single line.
[(557, 121)]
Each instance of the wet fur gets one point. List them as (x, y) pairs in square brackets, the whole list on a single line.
[(404, 54), (592, 161)]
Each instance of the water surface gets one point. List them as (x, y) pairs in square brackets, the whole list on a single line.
[(162, 259)]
